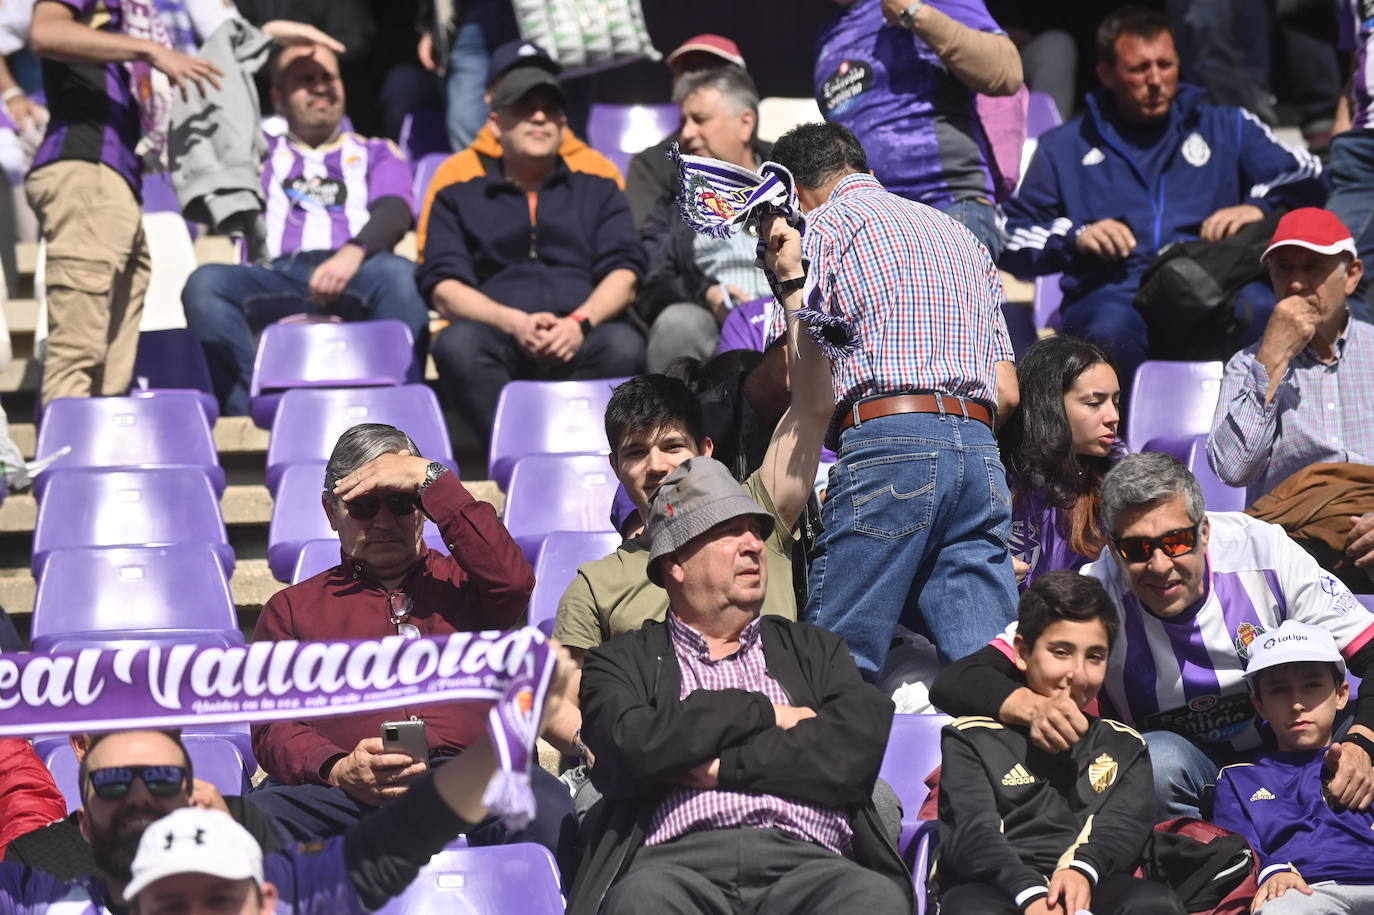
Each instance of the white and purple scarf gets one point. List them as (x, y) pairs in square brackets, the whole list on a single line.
[(150, 88)]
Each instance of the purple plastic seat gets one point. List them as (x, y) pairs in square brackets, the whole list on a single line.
[(312, 419), (425, 168), (109, 508), (1048, 298), (555, 566), (163, 592), (913, 752), (423, 132), (1042, 114), (126, 433), (558, 492), (620, 131), (213, 759), (1172, 400), (298, 518), (349, 354), (519, 878), (548, 417), (1192, 451), (173, 362)]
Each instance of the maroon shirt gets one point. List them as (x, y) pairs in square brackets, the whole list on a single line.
[(485, 584)]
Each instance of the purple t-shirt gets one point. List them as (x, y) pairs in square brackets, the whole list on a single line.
[(94, 118), (917, 122), (1039, 538), (1357, 33)]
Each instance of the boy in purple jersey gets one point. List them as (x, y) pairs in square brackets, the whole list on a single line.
[(1316, 855)]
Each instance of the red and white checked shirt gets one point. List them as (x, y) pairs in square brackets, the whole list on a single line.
[(917, 287), (686, 810)]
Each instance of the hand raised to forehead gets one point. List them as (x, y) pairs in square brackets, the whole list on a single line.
[(397, 472)]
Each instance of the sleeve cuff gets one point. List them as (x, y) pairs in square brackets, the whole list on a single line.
[(1280, 868), (1086, 869), (1259, 381), (1029, 895), (316, 760)]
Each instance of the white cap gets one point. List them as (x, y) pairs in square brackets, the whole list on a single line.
[(1292, 642), (193, 840)]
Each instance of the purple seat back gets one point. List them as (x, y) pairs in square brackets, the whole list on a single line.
[(423, 132), (1004, 124), (1042, 114), (1216, 495), (173, 360), (127, 433), (162, 591), (327, 355), (213, 759), (93, 508), (521, 878), (314, 418), (620, 131), (556, 564), (548, 417), (1172, 400), (913, 752), (1048, 297), (559, 492), (298, 518), (425, 168)]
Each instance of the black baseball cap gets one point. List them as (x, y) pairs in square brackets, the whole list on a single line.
[(518, 53)]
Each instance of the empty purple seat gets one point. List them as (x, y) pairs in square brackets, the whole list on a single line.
[(127, 433), (548, 417), (1172, 400), (425, 167), (213, 759), (423, 132), (349, 354), (312, 419), (162, 592), (1042, 114), (298, 518), (1048, 298), (558, 492), (555, 565), (95, 508), (620, 131), (913, 752), (505, 879), (173, 361)]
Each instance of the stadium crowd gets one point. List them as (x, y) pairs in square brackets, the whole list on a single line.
[(850, 487)]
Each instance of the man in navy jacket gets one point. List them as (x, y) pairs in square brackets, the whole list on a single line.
[(1148, 164), (532, 264)]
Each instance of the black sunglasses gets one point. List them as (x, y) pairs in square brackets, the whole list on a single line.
[(365, 508), (1178, 542), (114, 783)]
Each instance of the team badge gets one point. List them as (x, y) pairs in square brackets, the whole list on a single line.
[(1196, 152), (1246, 633), (709, 203), (1102, 773)]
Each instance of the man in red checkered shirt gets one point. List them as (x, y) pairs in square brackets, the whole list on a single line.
[(736, 753)]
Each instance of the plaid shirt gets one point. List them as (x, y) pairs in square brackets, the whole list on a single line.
[(918, 288), (1321, 413), (686, 810)]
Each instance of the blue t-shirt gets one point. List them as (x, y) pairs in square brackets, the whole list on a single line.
[(917, 122)]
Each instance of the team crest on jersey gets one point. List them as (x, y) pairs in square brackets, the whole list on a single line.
[(1196, 152), (1094, 156), (1246, 633), (329, 193), (1328, 585), (1102, 773)]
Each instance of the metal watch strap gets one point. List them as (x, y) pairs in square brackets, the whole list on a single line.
[(908, 15), (433, 472)]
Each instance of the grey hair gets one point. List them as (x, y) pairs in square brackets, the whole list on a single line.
[(1138, 480), (735, 86), (360, 444)]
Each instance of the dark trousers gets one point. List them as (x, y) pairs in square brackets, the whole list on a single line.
[(305, 813), (476, 360), (1116, 894), (732, 871)]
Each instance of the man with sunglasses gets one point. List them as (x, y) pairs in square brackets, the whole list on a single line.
[(327, 773), (1195, 590)]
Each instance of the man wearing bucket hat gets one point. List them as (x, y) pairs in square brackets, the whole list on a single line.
[(1304, 394), (1321, 864), (737, 753)]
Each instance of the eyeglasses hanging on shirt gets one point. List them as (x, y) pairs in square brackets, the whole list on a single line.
[(399, 606)]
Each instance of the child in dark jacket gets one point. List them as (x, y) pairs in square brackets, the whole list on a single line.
[(1022, 830), (1315, 856)]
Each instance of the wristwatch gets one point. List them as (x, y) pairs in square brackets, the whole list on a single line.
[(433, 472), (784, 288), (908, 16), (584, 323)]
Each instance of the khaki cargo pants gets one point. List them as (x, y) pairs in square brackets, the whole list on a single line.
[(97, 273)]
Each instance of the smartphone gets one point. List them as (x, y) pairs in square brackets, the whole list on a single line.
[(406, 737)]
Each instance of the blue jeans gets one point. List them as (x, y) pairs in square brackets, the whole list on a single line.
[(486, 25), (1183, 772), (916, 522), (1352, 199), (227, 303), (980, 218)]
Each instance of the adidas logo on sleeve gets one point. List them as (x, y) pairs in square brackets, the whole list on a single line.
[(1263, 794), (1017, 777)]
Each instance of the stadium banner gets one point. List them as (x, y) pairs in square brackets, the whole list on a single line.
[(175, 684)]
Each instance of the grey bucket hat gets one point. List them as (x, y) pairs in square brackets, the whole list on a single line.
[(695, 497)]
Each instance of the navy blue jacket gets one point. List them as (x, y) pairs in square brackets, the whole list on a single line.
[(480, 234), (1084, 171)]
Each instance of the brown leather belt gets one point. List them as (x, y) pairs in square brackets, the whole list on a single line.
[(916, 403)]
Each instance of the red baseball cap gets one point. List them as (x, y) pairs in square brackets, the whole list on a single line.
[(718, 45), (1314, 229)]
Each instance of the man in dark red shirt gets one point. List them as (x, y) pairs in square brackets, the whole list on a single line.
[(326, 773)]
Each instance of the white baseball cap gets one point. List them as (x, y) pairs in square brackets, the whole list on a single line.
[(193, 840), (1290, 643)]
